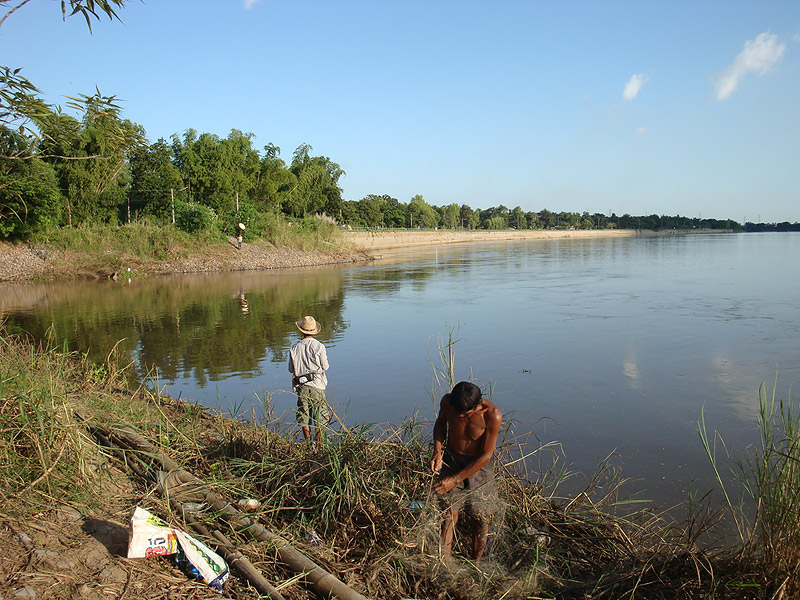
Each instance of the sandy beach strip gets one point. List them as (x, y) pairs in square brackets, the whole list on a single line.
[(385, 239)]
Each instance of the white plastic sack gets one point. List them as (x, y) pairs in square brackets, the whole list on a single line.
[(151, 536)]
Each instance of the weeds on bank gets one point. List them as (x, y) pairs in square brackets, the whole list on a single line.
[(43, 452), (97, 248), (770, 476)]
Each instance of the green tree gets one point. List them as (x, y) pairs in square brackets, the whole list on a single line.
[(422, 214), (275, 181), (451, 215), (317, 189), (29, 196), (217, 171), (90, 156), (517, 219), (156, 181), (395, 213)]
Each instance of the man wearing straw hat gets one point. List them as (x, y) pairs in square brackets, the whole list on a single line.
[(308, 361), (470, 424)]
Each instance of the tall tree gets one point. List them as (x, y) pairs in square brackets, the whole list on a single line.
[(317, 189), (29, 196), (422, 214), (275, 181), (90, 156), (216, 171), (156, 181)]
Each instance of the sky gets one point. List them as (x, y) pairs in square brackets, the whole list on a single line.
[(672, 108)]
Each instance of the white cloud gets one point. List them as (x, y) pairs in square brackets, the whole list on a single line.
[(248, 4), (759, 56), (634, 86)]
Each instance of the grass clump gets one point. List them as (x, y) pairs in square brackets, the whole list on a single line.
[(767, 515), (44, 453)]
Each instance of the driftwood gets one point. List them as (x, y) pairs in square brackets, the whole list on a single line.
[(324, 582)]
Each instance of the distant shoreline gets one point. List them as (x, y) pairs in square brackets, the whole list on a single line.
[(386, 239)]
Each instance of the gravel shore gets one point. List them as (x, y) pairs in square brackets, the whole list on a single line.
[(23, 262)]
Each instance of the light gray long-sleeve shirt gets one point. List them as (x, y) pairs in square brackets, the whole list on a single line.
[(309, 356)]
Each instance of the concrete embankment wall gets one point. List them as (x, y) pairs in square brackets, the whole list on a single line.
[(385, 239)]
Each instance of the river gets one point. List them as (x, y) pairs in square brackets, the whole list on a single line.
[(607, 346)]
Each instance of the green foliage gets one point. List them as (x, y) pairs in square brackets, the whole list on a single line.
[(155, 180), (193, 217), (29, 197), (90, 157), (422, 214), (275, 181), (215, 171), (317, 189)]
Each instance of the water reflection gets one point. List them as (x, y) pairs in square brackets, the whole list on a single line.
[(209, 326)]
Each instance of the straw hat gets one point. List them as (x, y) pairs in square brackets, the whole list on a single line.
[(308, 325)]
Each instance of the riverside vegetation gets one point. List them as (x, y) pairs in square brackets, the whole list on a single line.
[(359, 504), (145, 248)]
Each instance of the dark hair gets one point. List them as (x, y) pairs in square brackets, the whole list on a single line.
[(465, 396)]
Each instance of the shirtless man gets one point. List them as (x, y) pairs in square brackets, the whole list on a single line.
[(470, 424)]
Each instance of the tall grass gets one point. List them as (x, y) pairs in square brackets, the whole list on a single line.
[(44, 455), (769, 532)]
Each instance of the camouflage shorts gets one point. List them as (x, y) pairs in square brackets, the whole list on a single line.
[(312, 407)]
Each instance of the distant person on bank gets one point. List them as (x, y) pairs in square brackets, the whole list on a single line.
[(470, 425), (308, 361)]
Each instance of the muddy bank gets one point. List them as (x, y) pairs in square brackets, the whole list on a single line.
[(24, 262)]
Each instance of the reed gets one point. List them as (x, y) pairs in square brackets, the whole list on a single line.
[(767, 515)]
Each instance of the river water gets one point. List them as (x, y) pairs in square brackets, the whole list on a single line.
[(607, 346)]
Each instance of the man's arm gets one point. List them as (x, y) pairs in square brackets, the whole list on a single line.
[(493, 418), (439, 435), (323, 358)]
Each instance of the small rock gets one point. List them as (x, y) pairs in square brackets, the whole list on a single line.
[(249, 504), (69, 513), (25, 592), (25, 539)]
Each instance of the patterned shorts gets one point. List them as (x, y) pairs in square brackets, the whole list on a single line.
[(311, 406), (476, 495)]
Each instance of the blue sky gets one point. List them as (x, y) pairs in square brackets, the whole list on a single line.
[(642, 107)]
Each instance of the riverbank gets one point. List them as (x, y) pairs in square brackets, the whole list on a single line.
[(358, 504), (40, 262)]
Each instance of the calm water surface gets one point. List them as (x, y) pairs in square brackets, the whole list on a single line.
[(605, 345)]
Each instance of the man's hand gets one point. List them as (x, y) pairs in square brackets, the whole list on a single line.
[(436, 463), (445, 485)]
